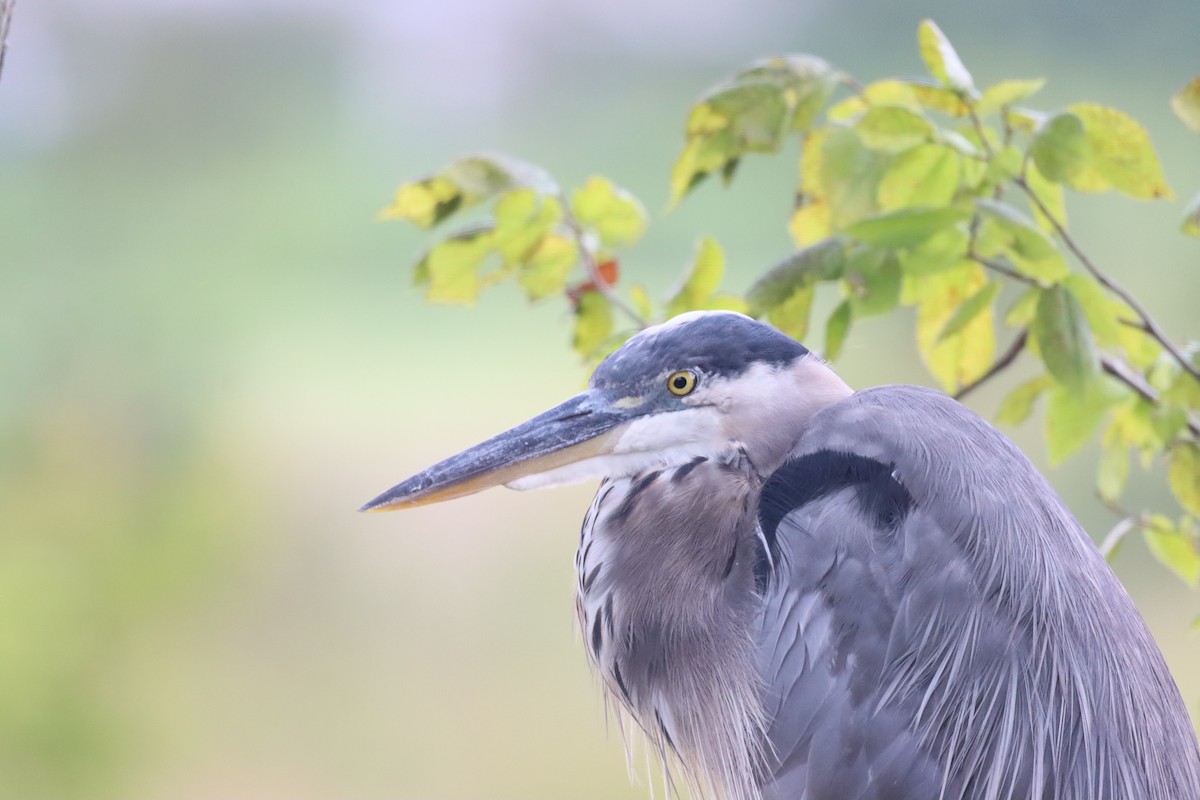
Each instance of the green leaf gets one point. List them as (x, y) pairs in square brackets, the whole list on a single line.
[(593, 323), (1018, 405), (1097, 307), (819, 262), (1023, 310), (892, 128), (836, 329), (940, 58), (792, 316), (464, 183), (702, 280), (926, 175), (1060, 148), (807, 82), (616, 215), (966, 313), (641, 301), (1032, 251), (1186, 104), (1113, 472), (1191, 217), (1183, 473), (522, 219), (906, 227), (871, 279), (1005, 93), (1121, 155), (1064, 339), (1174, 547), (546, 270), (1072, 416), (848, 173), (944, 250), (1004, 166)]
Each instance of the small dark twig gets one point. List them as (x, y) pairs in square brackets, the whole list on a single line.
[(588, 258), (1148, 325), (1128, 376), (996, 266), (1009, 356)]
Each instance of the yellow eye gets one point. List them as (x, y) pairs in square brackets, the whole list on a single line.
[(681, 382)]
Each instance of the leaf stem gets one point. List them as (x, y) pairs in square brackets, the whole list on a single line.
[(588, 259), (1147, 324), (999, 366)]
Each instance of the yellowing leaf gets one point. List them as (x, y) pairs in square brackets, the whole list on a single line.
[(546, 270), (1100, 311), (1051, 195), (1113, 471), (453, 269), (892, 128), (891, 92), (616, 215), (424, 203), (1018, 405), (1064, 339), (975, 305), (1183, 473), (809, 222), (1005, 93), (522, 220), (793, 314), (593, 323), (940, 58), (849, 174), (641, 301), (1121, 152), (939, 98), (964, 357), (1174, 548), (1186, 104), (1061, 152), (836, 328), (1029, 248), (926, 175), (1023, 310), (703, 279)]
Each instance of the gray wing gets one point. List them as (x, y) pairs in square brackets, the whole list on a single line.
[(937, 624)]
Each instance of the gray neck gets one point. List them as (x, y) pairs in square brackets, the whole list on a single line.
[(668, 605)]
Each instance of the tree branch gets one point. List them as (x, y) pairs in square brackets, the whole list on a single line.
[(1009, 356), (1128, 376), (1147, 324), (588, 258)]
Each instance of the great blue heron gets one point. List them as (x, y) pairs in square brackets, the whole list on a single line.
[(801, 591)]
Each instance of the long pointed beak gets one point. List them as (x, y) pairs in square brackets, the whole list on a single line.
[(583, 427)]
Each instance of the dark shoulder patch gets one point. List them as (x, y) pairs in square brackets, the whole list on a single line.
[(883, 499)]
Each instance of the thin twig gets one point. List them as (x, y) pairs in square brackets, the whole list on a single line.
[(1000, 268), (588, 258), (1010, 355), (1148, 325), (978, 125)]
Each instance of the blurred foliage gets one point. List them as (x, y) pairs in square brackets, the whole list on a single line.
[(934, 194)]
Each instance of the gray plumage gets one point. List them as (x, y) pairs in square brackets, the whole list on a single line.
[(803, 593)]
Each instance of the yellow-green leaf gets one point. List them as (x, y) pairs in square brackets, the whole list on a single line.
[(1064, 339), (1121, 152), (1113, 471), (939, 98), (926, 175), (639, 298), (964, 357), (891, 92), (807, 82), (1183, 473), (702, 280), (975, 305), (424, 203), (892, 128), (593, 323), (453, 268), (1186, 104), (809, 222), (522, 219), (1072, 416), (906, 227), (871, 281), (1030, 249), (1191, 217), (1005, 93), (944, 250), (616, 215), (819, 262), (1099, 309), (836, 329), (849, 173), (1018, 405), (545, 271), (940, 58), (1023, 310), (793, 314), (1051, 195), (1175, 548)]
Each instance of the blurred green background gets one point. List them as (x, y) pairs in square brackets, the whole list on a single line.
[(210, 356)]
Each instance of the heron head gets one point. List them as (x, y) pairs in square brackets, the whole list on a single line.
[(701, 383)]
